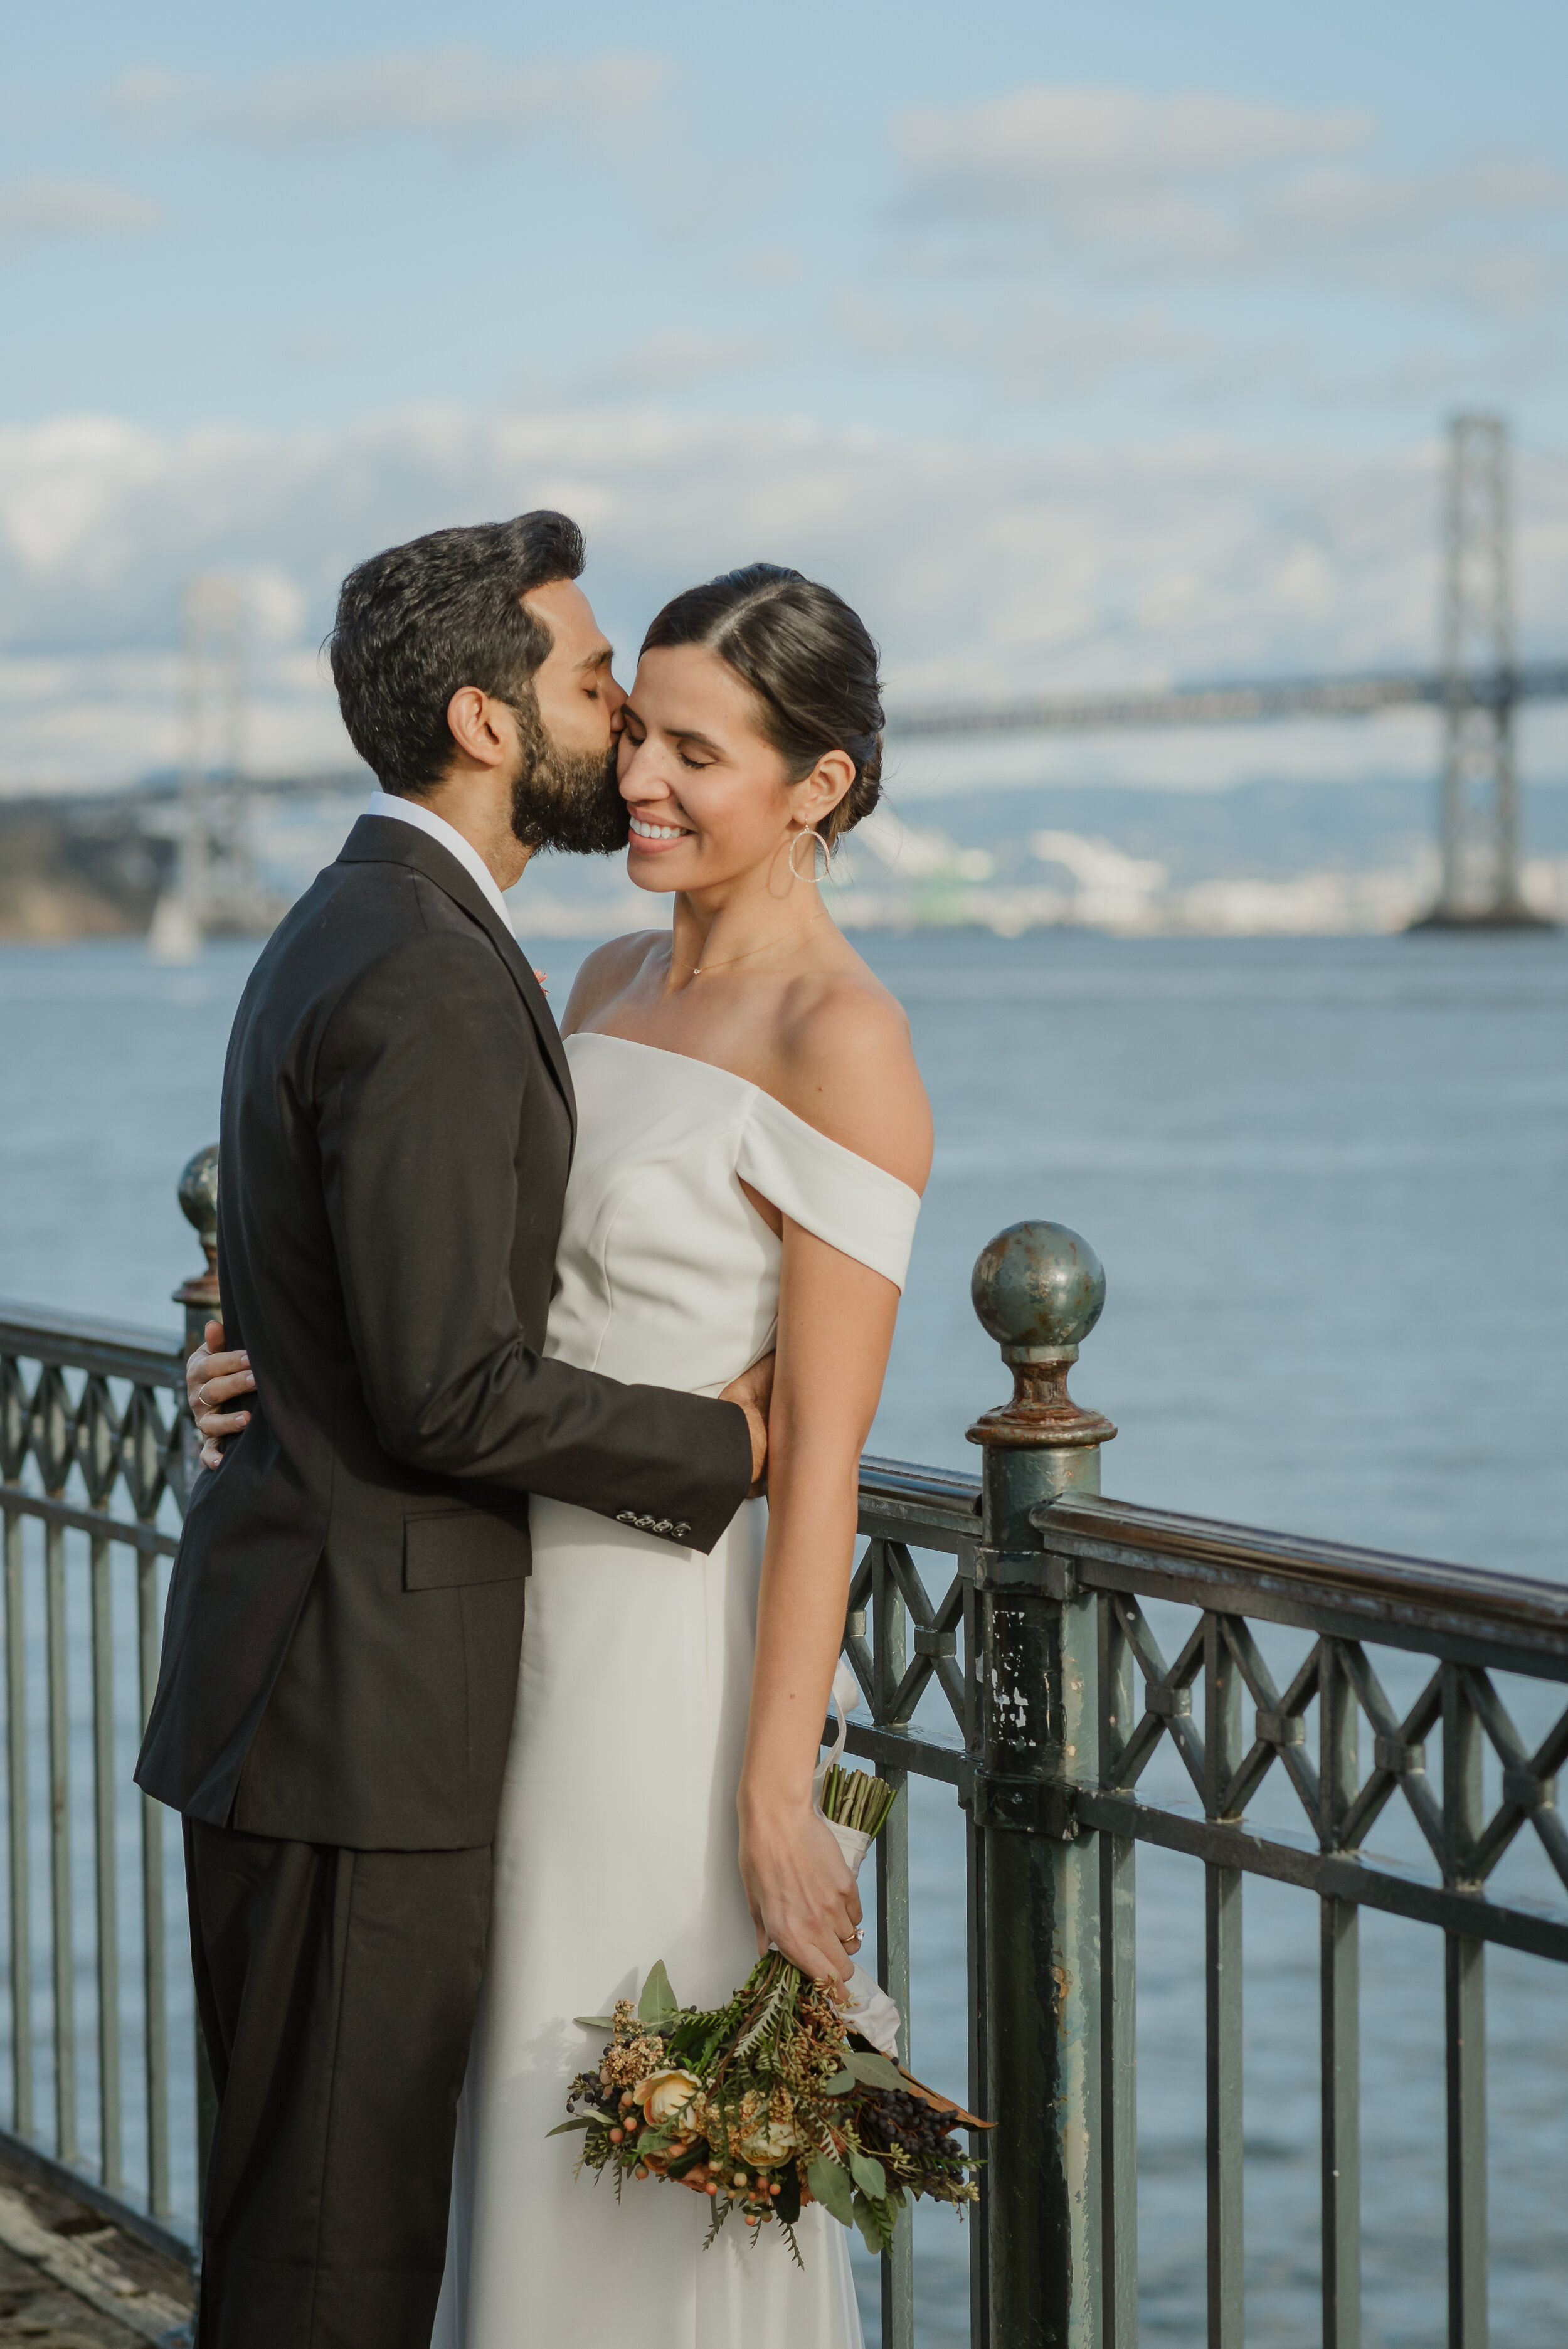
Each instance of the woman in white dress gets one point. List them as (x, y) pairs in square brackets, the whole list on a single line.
[(753, 1138)]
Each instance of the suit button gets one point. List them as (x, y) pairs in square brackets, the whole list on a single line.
[(625, 1518), (681, 1530), (647, 1525)]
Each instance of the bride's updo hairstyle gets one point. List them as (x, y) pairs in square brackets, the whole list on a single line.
[(809, 662)]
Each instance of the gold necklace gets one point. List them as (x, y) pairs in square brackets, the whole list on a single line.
[(699, 968)]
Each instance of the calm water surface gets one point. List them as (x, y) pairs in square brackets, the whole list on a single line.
[(1328, 1180)]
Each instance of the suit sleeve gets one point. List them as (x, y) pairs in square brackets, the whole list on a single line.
[(423, 1076)]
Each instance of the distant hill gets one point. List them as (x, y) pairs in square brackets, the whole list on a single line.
[(76, 869)]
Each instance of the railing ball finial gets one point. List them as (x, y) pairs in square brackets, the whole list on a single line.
[(1038, 1289), (199, 1206)]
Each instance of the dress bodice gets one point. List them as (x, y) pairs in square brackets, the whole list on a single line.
[(666, 1273)]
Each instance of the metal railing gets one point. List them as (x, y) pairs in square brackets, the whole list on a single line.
[(93, 1462), (1060, 1700), (1054, 1701)]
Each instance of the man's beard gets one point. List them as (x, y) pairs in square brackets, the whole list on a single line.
[(565, 800)]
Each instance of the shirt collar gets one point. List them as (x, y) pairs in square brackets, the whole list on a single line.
[(426, 819)]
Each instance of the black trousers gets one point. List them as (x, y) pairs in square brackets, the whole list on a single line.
[(337, 1991)]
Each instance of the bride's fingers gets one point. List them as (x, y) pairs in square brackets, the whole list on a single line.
[(215, 1424), (211, 1378), (814, 1948)]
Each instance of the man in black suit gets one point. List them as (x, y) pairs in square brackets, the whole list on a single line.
[(341, 1647)]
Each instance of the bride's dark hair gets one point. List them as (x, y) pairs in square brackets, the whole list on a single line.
[(808, 658)]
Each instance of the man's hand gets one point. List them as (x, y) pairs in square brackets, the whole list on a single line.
[(753, 1391)]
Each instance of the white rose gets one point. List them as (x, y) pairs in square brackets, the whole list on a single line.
[(664, 2093), (766, 2143)]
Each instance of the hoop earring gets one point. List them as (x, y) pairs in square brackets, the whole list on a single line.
[(817, 841)]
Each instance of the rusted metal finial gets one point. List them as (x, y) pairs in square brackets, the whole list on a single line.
[(199, 1205), (1038, 1289)]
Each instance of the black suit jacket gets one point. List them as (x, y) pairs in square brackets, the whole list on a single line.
[(341, 1643)]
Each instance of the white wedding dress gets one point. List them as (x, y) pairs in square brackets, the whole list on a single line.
[(616, 1843)]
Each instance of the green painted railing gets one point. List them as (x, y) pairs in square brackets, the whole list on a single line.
[(1053, 1699)]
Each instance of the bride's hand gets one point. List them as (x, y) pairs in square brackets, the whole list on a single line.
[(799, 1887), (212, 1379)]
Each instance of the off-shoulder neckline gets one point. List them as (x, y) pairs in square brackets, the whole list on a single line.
[(608, 1036)]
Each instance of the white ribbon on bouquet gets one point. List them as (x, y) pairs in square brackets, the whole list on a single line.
[(867, 2005)]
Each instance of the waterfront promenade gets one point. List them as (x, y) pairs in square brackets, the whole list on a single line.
[(71, 2279)]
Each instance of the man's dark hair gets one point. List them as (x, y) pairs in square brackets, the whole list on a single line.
[(419, 622)]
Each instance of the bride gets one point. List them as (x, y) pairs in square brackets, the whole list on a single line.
[(753, 1139)]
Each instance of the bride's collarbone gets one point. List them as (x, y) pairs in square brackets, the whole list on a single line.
[(740, 1047)]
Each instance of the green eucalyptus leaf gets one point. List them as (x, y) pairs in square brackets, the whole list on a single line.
[(829, 2183), (872, 2069), (594, 2022), (870, 2228), (869, 2176), (579, 2121), (839, 2084), (658, 1999)]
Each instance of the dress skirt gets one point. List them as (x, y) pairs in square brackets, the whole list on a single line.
[(617, 1846)]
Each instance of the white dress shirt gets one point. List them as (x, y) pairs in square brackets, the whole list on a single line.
[(424, 819)]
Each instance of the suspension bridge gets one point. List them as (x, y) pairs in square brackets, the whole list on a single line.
[(1478, 685)]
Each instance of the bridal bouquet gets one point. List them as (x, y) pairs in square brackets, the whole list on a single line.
[(787, 2095)]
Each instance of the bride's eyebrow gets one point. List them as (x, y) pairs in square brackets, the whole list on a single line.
[(689, 734)]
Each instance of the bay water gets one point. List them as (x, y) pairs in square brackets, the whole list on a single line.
[(1328, 1179)]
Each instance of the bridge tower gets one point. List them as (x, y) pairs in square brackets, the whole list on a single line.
[(1478, 806), (215, 885)]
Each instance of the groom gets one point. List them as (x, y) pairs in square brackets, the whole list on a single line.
[(340, 1652)]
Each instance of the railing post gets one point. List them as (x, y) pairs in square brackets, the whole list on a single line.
[(1340, 1979), (1464, 2018), (199, 1297), (1038, 1289), (1222, 1750)]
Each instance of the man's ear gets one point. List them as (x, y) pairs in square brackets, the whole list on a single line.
[(483, 728)]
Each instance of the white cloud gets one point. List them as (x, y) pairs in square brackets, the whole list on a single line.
[(1035, 348), (1105, 151), (36, 208), (982, 570), (448, 94), (671, 361), (1092, 181)]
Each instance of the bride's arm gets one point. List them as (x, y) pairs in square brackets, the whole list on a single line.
[(835, 1327)]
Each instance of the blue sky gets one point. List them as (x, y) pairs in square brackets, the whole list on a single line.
[(1077, 345)]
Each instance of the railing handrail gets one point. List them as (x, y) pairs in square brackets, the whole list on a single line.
[(1431, 1595), (1391, 1590), (81, 1341)]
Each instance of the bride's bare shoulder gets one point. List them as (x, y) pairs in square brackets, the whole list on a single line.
[(608, 972), (844, 1060)]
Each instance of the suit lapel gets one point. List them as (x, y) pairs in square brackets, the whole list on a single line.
[(383, 840)]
